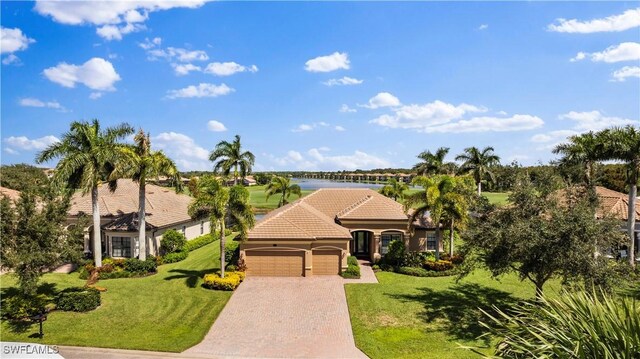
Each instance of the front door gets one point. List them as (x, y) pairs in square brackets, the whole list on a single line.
[(360, 243)]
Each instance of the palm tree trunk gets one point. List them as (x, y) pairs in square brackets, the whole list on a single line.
[(451, 239), (222, 248), (479, 188), (97, 238), (438, 241), (235, 176), (631, 222), (142, 235)]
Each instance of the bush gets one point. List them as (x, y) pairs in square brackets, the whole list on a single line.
[(375, 267), (396, 252), (175, 257), (456, 259), (137, 266), (227, 231), (232, 268), (413, 259), (232, 252), (353, 268), (199, 242), (230, 282), (172, 241), (352, 260), (23, 307), (78, 299), (438, 266), (420, 272)]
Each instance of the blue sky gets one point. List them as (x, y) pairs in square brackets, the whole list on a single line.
[(320, 86)]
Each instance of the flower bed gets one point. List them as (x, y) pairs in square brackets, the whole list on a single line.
[(230, 282)]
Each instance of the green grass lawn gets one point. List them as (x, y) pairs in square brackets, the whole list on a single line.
[(498, 198), (168, 311), (412, 317), (258, 198)]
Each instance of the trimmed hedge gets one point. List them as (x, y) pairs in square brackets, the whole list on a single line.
[(353, 268), (420, 272), (438, 266), (137, 266), (230, 282), (199, 242), (78, 299), (175, 257)]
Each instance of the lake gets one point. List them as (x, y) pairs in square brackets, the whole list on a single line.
[(313, 184)]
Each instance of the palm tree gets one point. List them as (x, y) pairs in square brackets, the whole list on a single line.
[(423, 204), (139, 163), (433, 163), (623, 144), (455, 207), (585, 149), (394, 189), (87, 158), (239, 211), (282, 185), (478, 163), (212, 200), (229, 155)]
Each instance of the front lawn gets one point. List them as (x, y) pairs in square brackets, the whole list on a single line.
[(168, 311), (412, 317)]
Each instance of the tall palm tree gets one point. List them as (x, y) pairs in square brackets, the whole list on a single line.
[(139, 163), (586, 150), (479, 164), (455, 207), (229, 155), (432, 163), (283, 186), (212, 200), (239, 211), (87, 157), (424, 203), (623, 144), (394, 189)]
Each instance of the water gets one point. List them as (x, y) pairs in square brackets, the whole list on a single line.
[(313, 184)]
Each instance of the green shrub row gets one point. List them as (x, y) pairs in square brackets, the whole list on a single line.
[(353, 268), (421, 272), (199, 242), (175, 257), (230, 282), (437, 266), (78, 299)]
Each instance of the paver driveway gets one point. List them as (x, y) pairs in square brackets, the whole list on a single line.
[(270, 317)]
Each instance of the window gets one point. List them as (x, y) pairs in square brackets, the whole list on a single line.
[(121, 246), (431, 241), (201, 227), (386, 238)]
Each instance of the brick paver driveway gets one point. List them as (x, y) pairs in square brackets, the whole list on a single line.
[(270, 317)]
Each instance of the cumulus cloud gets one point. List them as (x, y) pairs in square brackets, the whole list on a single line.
[(184, 69), (345, 81), (626, 72), (187, 154), (14, 144), (97, 74), (201, 90), (309, 127), (382, 99), (626, 51), (483, 27), (95, 95), (228, 68), (335, 61), (113, 19), (625, 21), (34, 102), (346, 109), (177, 54), (319, 159), (216, 126), (13, 40)]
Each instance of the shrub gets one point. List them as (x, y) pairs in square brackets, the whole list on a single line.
[(352, 260), (395, 255), (353, 268), (137, 266), (420, 272), (386, 267), (438, 266), (456, 259), (172, 241), (175, 257), (232, 268), (375, 267), (199, 242), (23, 306), (232, 252), (230, 281), (78, 299), (413, 259), (227, 231)]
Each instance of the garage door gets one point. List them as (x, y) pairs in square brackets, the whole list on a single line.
[(275, 264), (326, 262)]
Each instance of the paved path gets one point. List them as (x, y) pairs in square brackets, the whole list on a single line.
[(366, 274), (269, 317)]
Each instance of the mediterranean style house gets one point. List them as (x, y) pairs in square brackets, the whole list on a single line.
[(315, 234), (165, 209)]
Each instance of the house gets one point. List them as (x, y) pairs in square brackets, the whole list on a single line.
[(165, 209), (246, 181), (315, 234)]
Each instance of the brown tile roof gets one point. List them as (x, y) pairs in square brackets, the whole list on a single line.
[(164, 207), (612, 203), (314, 216), (12, 194)]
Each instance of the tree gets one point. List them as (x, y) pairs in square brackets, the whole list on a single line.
[(539, 237), (479, 164), (433, 163), (34, 236), (239, 211), (283, 186), (455, 198), (212, 201), (584, 150), (21, 177), (139, 162), (87, 157), (394, 189), (229, 155), (623, 144)]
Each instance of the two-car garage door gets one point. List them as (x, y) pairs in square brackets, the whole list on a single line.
[(273, 263)]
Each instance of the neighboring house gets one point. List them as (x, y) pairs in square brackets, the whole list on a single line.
[(315, 234), (165, 209), (247, 181)]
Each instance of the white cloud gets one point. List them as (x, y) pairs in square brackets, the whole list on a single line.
[(13, 40), (177, 54), (346, 109), (335, 61), (627, 20), (595, 121), (303, 128), (183, 150), (34, 102), (96, 74), (382, 99), (340, 128), (95, 95), (626, 51), (201, 90), (483, 27), (548, 141), (114, 18), (14, 144), (216, 126), (319, 159), (228, 68), (149, 44), (488, 124), (345, 81), (11, 60), (184, 69), (626, 72)]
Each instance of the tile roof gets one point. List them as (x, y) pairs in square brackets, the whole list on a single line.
[(314, 216), (164, 207), (612, 203), (12, 194)]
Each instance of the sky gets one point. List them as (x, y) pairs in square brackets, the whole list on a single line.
[(320, 85)]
